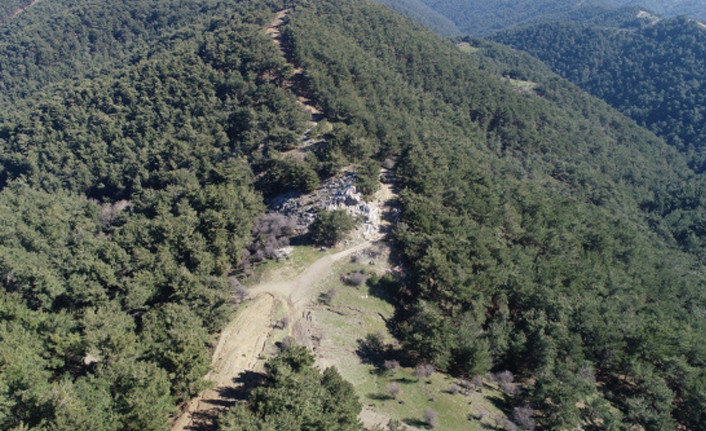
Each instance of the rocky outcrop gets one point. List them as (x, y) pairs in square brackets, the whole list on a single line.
[(336, 193)]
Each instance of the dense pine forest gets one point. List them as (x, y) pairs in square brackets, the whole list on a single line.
[(542, 232), (654, 73), (10, 7), (483, 17), (692, 8)]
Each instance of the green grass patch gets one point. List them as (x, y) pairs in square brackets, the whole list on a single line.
[(522, 85), (466, 48), (356, 312), (301, 257)]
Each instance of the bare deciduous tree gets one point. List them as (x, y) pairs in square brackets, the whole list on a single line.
[(391, 366), (327, 297), (506, 382), (431, 418), (423, 371), (271, 232), (282, 323), (287, 342), (394, 389), (524, 417)]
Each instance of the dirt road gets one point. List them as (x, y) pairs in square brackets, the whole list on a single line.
[(243, 340)]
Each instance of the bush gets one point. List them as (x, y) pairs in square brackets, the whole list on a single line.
[(423, 371), (394, 389), (355, 278), (524, 417), (327, 297), (391, 366), (431, 418), (331, 227), (506, 382)]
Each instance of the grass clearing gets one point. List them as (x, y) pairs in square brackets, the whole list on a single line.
[(523, 86), (466, 48), (357, 312), (300, 258)]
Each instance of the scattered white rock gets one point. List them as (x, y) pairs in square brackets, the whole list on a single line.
[(336, 193)]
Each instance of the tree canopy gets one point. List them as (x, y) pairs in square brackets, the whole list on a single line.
[(542, 231)]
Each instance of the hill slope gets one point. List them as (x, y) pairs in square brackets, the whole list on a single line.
[(480, 18), (9, 8), (534, 217), (691, 8), (424, 15), (522, 211), (653, 74)]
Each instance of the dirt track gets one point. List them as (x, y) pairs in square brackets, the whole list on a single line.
[(296, 83), (243, 340), (238, 349)]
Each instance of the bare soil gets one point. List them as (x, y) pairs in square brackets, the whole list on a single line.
[(241, 344), (296, 83)]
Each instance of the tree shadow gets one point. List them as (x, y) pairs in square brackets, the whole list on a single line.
[(500, 402), (405, 380), (417, 423), (240, 391), (301, 239), (382, 288), (205, 420), (379, 397), (371, 351)]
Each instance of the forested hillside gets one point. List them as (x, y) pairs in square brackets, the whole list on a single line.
[(483, 17), (653, 74), (58, 39), (126, 201), (10, 7), (426, 16), (691, 8), (542, 232), (528, 224)]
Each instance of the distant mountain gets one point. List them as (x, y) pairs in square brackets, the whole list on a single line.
[(482, 17), (423, 14), (654, 74), (691, 8)]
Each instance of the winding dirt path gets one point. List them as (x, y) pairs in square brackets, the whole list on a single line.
[(238, 349), (242, 342), (296, 83)]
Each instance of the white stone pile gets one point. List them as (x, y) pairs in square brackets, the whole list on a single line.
[(336, 193)]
